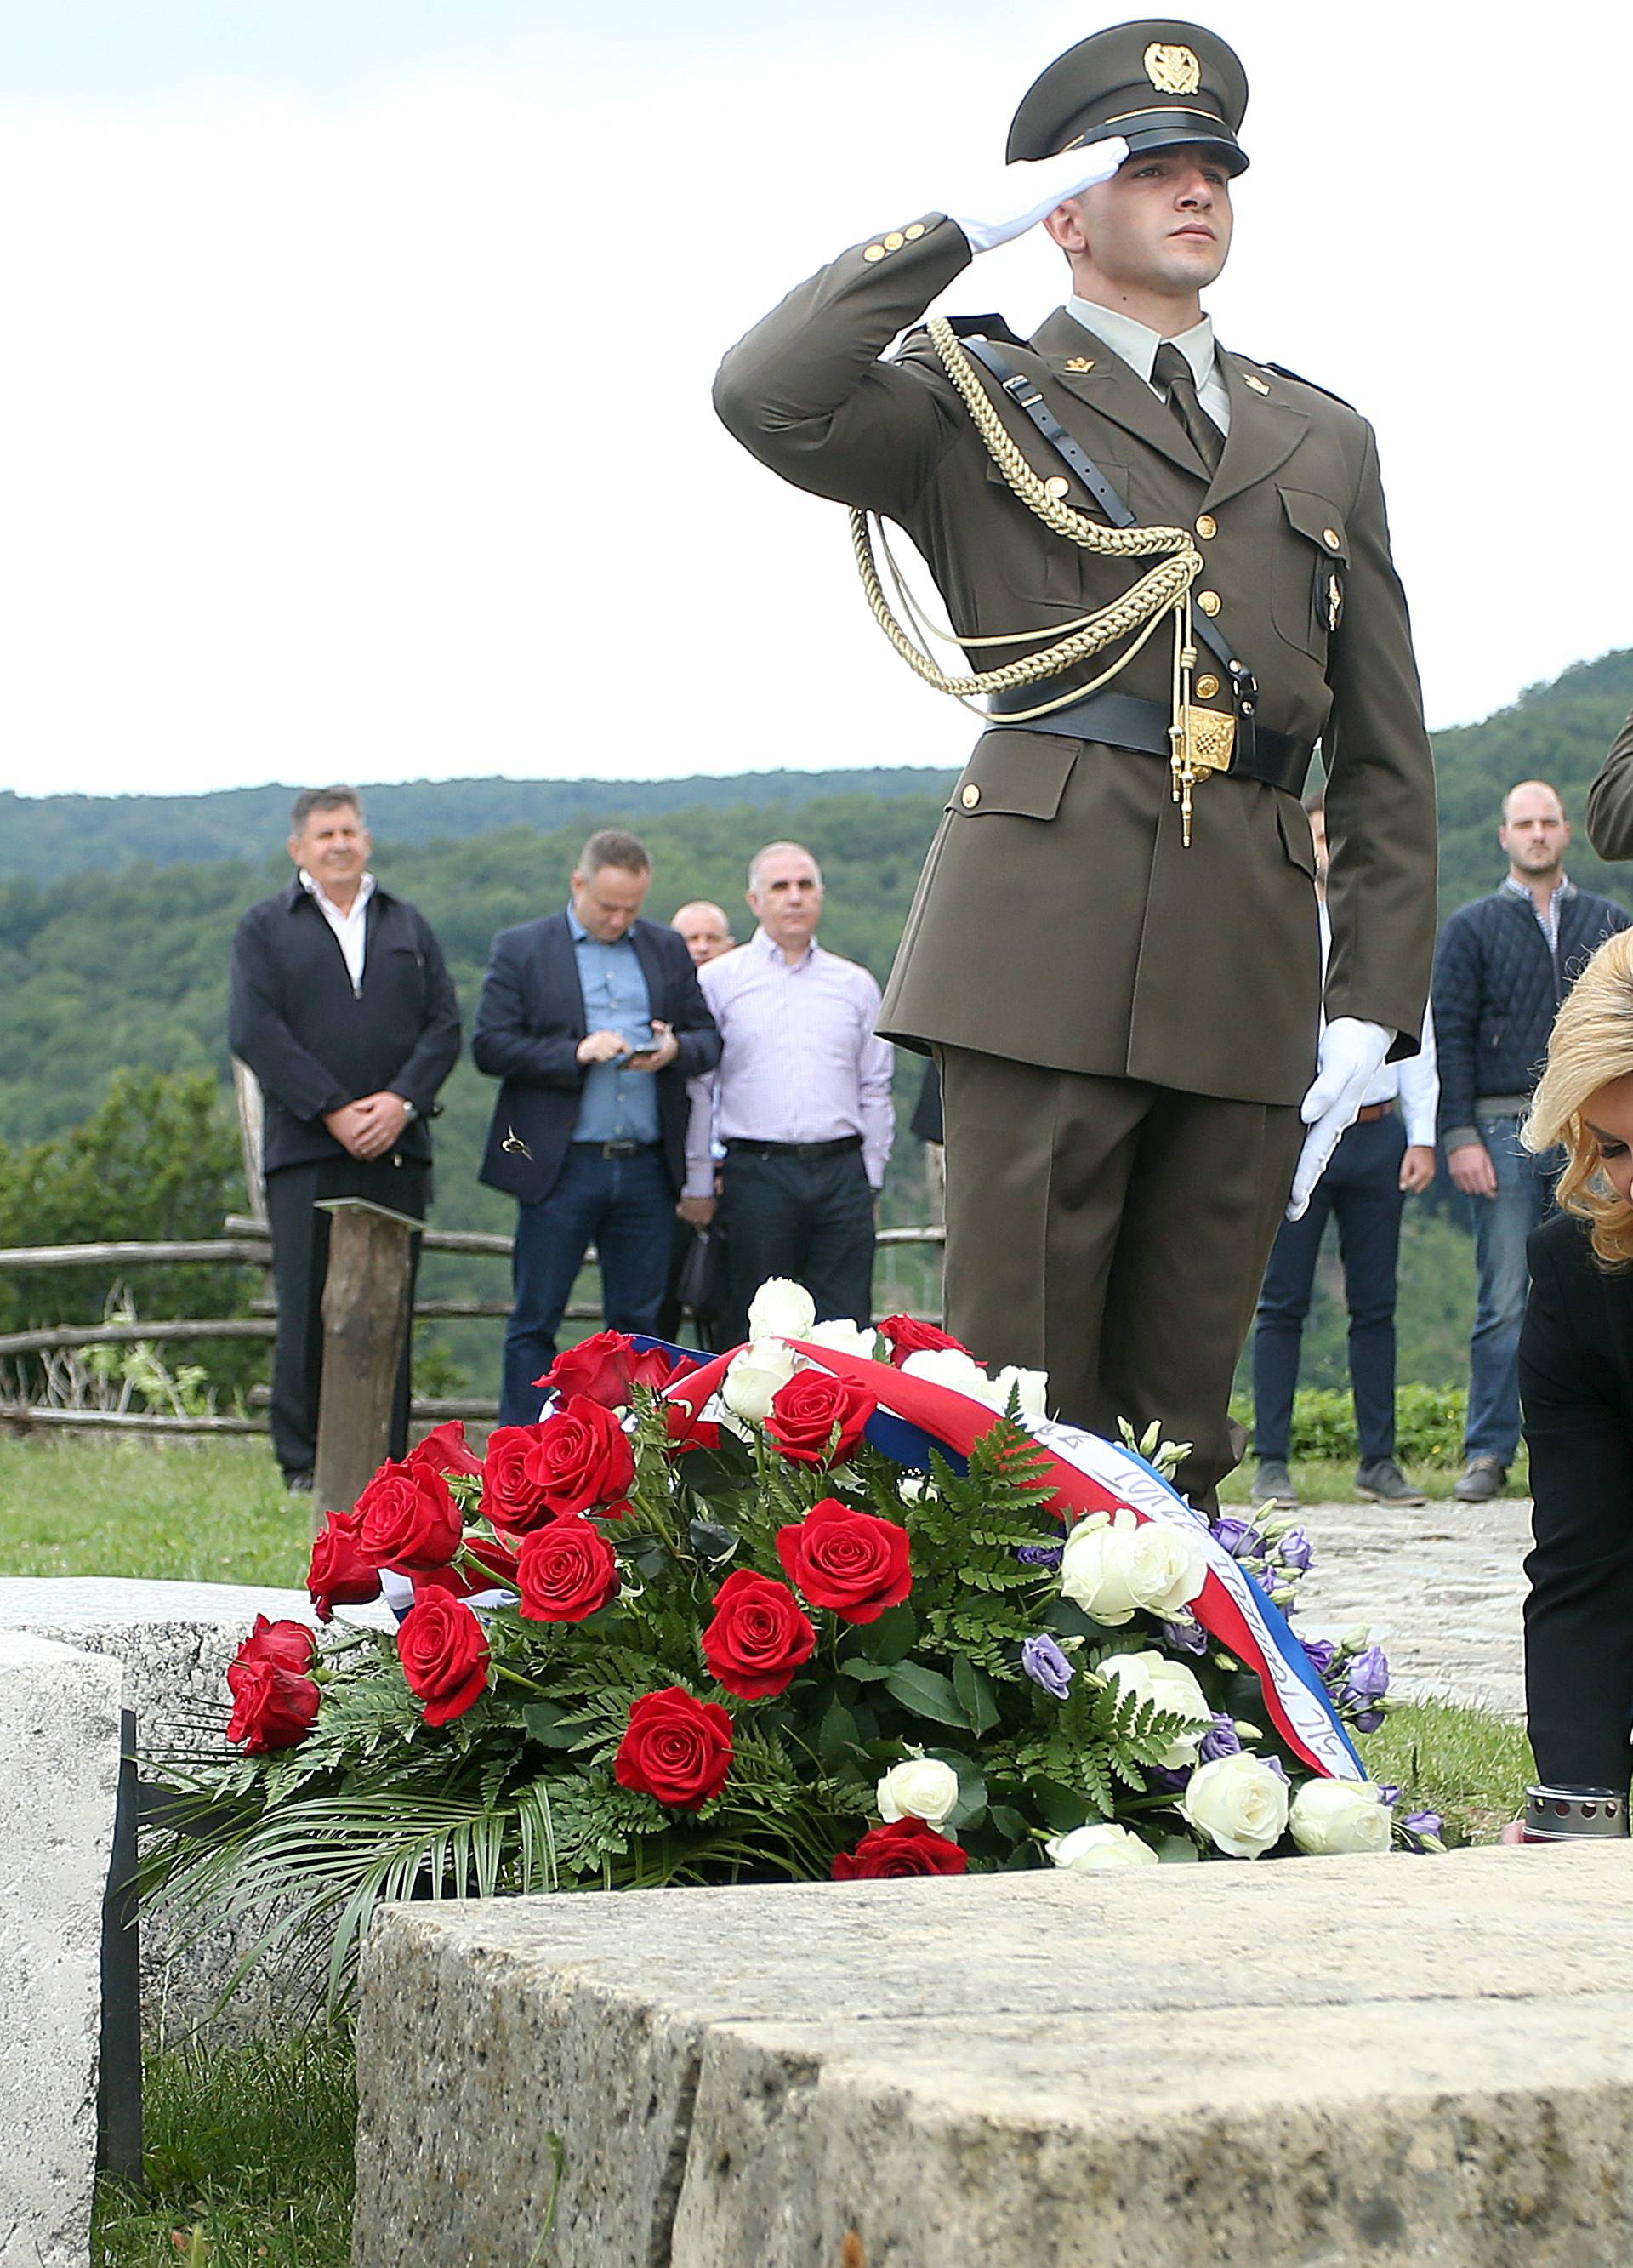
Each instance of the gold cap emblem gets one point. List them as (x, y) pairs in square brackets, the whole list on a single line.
[(1171, 70)]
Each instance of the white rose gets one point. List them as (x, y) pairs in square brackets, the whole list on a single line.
[(923, 1788), (781, 1310), (1170, 1686), (1094, 1850), (947, 1366), (762, 1369), (1115, 1563), (1331, 1817), (1032, 1384), (1240, 1804), (844, 1337)]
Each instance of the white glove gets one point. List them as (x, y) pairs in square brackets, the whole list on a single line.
[(1029, 190), (1353, 1055)]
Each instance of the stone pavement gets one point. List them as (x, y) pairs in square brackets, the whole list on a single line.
[(1440, 1583)]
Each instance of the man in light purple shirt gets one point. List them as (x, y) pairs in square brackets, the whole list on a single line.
[(801, 1101)]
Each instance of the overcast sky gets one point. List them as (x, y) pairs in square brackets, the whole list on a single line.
[(355, 399)]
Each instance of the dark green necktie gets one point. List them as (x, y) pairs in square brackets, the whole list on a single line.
[(1172, 373)]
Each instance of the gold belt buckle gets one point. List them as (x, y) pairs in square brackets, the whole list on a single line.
[(1204, 741), (1209, 739)]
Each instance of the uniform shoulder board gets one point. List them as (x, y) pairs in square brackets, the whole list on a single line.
[(976, 326), (1297, 376)]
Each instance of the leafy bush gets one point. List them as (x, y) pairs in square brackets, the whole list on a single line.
[(1428, 1424)]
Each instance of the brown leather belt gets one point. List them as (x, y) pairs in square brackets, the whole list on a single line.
[(1369, 1111)]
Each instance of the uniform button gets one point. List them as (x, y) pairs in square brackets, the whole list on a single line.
[(1329, 537), (874, 252), (969, 797), (1208, 601), (1207, 526), (894, 241), (1057, 487), (913, 232), (1206, 687)]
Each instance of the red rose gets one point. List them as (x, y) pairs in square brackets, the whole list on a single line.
[(907, 1846), (292, 1645), (272, 1707), (758, 1637), (510, 1498), (339, 1575), (407, 1519), (604, 1368), (850, 1561), (565, 1570), (496, 1567), (805, 1412), (676, 1749), (581, 1458), (908, 1336), (445, 1449), (443, 1648)]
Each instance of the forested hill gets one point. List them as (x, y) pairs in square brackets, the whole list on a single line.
[(48, 836)]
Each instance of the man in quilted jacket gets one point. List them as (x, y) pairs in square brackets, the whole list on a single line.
[(1502, 966)]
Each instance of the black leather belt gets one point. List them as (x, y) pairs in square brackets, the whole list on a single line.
[(1123, 721), (793, 1149), (619, 1149)]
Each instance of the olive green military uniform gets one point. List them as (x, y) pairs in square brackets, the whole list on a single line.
[(1610, 800), (1125, 1026)]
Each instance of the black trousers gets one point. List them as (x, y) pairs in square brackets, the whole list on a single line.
[(300, 1259), (808, 1217), (1361, 1190)]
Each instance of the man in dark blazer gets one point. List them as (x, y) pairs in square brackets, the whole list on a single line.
[(1125, 1002), (593, 1020), (342, 1006)]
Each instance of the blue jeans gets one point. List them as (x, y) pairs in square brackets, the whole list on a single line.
[(1361, 1188), (626, 1208), (1524, 1195)]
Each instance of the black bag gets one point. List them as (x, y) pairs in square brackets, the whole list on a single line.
[(702, 1288)]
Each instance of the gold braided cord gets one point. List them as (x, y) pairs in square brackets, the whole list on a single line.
[(1161, 589)]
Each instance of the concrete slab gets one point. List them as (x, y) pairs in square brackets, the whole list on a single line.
[(59, 1777), (1389, 2061)]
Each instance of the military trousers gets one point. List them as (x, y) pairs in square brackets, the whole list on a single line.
[(1113, 1233)]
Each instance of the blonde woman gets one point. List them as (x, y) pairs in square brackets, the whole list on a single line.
[(1576, 1383)]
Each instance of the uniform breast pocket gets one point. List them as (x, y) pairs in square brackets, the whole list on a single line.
[(1311, 571), (1038, 562)]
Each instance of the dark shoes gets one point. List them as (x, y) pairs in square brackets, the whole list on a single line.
[(1380, 1481), (298, 1484), (1482, 1479), (1274, 1485)]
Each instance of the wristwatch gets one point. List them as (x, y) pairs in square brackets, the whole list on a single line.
[(409, 1109)]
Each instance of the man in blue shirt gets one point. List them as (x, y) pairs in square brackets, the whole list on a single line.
[(593, 1020)]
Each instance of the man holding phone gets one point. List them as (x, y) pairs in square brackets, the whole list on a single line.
[(593, 1021)]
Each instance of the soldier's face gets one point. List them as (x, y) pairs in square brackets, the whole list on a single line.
[(1161, 224)]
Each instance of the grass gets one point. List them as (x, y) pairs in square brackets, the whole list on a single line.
[(248, 2160), (1332, 1481), (1470, 1767), (205, 1512)]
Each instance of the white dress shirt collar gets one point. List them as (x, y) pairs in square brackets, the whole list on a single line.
[(1137, 342), (351, 928)]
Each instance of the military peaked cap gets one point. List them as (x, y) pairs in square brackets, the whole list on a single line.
[(1159, 84)]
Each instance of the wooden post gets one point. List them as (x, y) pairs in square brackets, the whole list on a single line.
[(252, 1126), (365, 1318)]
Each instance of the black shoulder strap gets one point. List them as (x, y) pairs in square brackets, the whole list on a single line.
[(1024, 393), (1298, 377)]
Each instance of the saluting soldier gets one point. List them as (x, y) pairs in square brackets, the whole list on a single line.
[(1168, 567)]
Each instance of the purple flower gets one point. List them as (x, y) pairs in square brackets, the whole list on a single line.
[(1322, 1654), (1367, 1676), (1185, 1638), (1047, 1666), (1368, 1720), (1424, 1823), (1221, 1741), (1294, 1550), (1161, 1781), (1241, 1538), (1040, 1555), (1274, 1764)]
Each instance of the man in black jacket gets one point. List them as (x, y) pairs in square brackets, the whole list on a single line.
[(1502, 968), (342, 1006), (593, 1020)]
